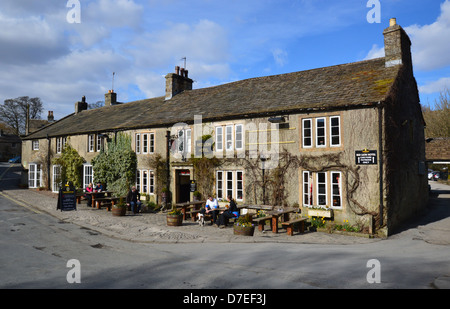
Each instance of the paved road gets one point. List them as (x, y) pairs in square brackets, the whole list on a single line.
[(35, 249)]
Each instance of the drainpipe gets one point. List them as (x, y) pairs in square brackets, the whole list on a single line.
[(168, 165), (381, 161), (48, 162)]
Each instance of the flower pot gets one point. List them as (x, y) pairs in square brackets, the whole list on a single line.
[(119, 211), (243, 230), (174, 220), (320, 213)]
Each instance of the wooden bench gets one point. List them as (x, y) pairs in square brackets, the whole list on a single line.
[(108, 206), (261, 222), (290, 225), (80, 196), (193, 213)]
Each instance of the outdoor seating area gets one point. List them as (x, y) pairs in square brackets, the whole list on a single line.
[(277, 217)]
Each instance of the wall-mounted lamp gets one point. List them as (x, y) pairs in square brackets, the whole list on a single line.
[(278, 119)]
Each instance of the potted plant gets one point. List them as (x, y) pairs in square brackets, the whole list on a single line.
[(175, 217), (119, 209), (197, 196), (244, 226)]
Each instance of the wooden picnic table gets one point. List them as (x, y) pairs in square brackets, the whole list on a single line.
[(275, 214), (188, 205), (96, 195), (257, 207), (108, 200)]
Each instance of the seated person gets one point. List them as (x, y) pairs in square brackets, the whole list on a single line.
[(134, 200), (89, 189), (98, 188), (212, 206), (231, 212)]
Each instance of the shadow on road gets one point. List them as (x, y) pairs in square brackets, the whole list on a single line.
[(438, 208)]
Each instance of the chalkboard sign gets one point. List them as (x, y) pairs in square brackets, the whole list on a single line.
[(67, 200)]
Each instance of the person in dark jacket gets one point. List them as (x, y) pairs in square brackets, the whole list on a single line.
[(134, 200), (231, 212)]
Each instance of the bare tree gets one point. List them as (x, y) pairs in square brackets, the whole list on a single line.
[(437, 119), (14, 112)]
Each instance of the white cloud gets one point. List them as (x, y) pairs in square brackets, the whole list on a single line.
[(280, 56), (204, 44), (375, 52), (29, 40), (435, 86), (431, 43)]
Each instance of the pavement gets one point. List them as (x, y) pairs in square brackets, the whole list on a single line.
[(432, 227), (152, 227)]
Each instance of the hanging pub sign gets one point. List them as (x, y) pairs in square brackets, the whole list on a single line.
[(67, 198), (193, 186), (366, 157)]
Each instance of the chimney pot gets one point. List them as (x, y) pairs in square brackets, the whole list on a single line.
[(177, 70), (392, 22)]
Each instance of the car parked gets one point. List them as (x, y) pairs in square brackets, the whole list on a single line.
[(14, 160)]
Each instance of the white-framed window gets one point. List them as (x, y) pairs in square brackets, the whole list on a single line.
[(145, 181), (138, 143), (184, 143), (99, 144), (336, 190), (34, 175), (239, 185), (230, 183), (321, 132), (219, 184), (56, 178), (322, 194), (322, 189), (307, 189), (35, 144), (91, 142), (219, 138), (152, 143), (335, 131), (307, 133), (88, 175), (238, 136), (144, 143), (321, 136), (58, 145), (229, 137)]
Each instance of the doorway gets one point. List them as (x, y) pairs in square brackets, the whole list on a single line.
[(183, 180)]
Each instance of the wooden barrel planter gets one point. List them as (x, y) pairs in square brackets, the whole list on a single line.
[(174, 220), (119, 211), (243, 230)]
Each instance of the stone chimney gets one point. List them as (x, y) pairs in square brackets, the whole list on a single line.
[(397, 46), (110, 98), (50, 117), (177, 82), (81, 106)]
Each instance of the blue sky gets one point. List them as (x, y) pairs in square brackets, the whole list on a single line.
[(43, 55)]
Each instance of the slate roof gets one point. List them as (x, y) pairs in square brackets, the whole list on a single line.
[(342, 86), (438, 149)]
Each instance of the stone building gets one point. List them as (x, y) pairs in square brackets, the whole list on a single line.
[(349, 138)]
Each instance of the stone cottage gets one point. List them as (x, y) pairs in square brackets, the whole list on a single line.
[(346, 138)]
